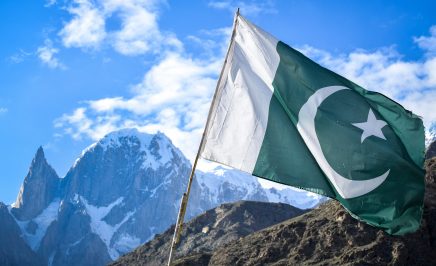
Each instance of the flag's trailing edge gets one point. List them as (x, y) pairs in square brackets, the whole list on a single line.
[(280, 116)]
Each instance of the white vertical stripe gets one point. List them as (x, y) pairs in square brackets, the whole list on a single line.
[(240, 115)]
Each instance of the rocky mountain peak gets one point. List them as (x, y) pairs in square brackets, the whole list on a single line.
[(154, 150), (38, 190), (430, 135), (39, 156), (133, 137), (122, 164), (121, 192)]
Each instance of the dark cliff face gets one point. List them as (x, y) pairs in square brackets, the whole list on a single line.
[(210, 230), (118, 194), (38, 190), (13, 249)]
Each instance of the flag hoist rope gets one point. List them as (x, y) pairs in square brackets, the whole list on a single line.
[(184, 202)]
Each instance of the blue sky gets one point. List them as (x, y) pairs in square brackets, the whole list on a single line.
[(72, 71)]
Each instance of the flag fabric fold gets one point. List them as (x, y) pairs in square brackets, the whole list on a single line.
[(280, 116)]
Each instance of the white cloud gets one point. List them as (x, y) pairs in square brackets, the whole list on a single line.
[(86, 29), (247, 8), (78, 124), (138, 32), (428, 42), (3, 110), (47, 54)]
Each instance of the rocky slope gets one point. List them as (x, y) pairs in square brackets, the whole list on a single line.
[(210, 230), (119, 193)]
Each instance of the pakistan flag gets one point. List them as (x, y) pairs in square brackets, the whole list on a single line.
[(280, 116)]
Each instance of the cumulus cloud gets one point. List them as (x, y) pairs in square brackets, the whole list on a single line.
[(86, 29), (428, 42), (47, 55), (138, 32), (78, 124)]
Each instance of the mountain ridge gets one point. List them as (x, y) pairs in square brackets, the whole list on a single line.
[(119, 193)]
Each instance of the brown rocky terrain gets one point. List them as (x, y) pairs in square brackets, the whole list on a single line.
[(212, 229)]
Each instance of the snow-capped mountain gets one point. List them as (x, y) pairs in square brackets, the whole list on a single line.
[(119, 193), (430, 135), (223, 184)]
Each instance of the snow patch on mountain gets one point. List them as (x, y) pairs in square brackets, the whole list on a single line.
[(215, 179), (156, 149), (84, 151), (430, 134), (39, 224), (100, 227), (131, 136)]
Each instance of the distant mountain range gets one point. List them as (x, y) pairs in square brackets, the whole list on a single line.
[(119, 193)]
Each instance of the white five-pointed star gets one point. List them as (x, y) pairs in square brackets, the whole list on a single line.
[(372, 127)]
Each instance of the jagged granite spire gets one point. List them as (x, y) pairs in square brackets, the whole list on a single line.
[(38, 190)]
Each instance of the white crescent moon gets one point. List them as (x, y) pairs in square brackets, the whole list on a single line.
[(347, 188)]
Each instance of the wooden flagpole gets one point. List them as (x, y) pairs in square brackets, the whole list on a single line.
[(183, 204)]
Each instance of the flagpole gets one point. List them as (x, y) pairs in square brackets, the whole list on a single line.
[(183, 204)]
